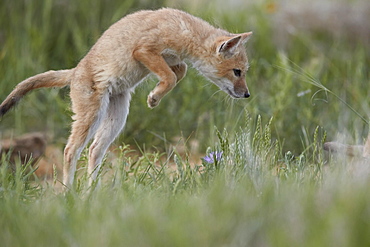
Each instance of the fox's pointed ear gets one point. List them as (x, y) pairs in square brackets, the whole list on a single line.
[(228, 47), (246, 37)]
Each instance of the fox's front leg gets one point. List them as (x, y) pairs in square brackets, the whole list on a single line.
[(180, 70), (161, 89), (167, 76)]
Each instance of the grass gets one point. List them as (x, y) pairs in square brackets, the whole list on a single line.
[(253, 195), (273, 186)]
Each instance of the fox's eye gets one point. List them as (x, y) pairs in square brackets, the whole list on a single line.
[(237, 72)]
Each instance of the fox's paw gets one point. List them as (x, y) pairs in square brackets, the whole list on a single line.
[(153, 100)]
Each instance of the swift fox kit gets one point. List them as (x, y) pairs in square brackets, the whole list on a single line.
[(350, 150), (141, 43)]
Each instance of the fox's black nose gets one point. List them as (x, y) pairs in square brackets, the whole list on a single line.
[(246, 95)]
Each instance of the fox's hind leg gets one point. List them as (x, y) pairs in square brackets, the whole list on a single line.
[(89, 107), (108, 130)]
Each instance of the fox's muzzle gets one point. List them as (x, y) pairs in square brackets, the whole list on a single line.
[(241, 90)]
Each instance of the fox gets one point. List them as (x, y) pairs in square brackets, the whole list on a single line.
[(161, 42), (350, 150)]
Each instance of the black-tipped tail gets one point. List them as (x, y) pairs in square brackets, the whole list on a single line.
[(7, 105), (51, 78)]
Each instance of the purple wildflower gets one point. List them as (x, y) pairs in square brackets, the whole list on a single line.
[(210, 158)]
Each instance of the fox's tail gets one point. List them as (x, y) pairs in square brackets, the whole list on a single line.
[(50, 78)]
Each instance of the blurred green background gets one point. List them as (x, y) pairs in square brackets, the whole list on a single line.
[(294, 44), (309, 67)]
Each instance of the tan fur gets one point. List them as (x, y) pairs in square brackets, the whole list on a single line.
[(145, 42), (366, 153), (350, 150), (51, 78)]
